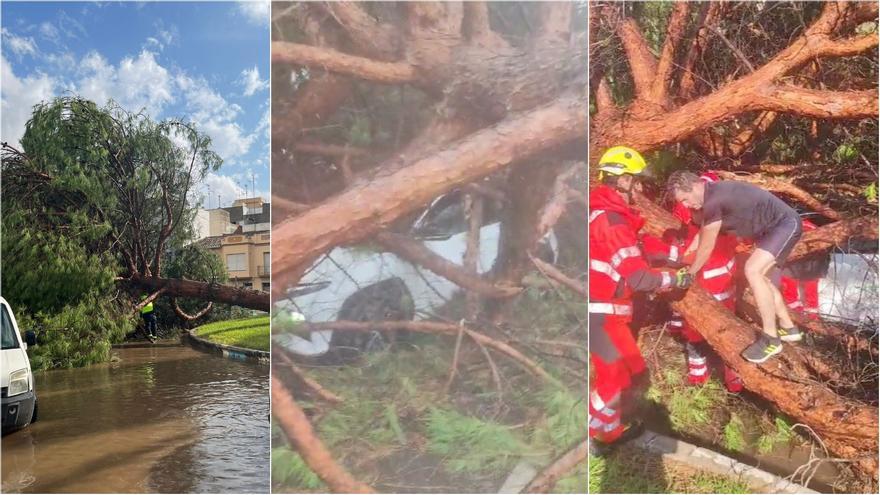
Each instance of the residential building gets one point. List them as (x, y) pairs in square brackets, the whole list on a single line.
[(240, 235)]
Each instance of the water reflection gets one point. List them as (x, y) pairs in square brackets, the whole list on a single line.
[(167, 419)]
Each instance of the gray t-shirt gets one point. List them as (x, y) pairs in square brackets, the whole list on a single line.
[(747, 210)]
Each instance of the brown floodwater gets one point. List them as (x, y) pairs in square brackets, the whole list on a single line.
[(160, 419)]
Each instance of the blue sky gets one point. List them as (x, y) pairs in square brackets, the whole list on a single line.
[(207, 62)]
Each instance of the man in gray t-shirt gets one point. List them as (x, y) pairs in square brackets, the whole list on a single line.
[(751, 213)]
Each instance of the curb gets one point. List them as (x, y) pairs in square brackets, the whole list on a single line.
[(227, 351), (147, 345), (759, 480)]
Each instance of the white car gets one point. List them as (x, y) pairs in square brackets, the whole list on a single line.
[(19, 399), (365, 284)]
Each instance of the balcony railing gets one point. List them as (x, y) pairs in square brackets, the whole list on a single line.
[(263, 271)]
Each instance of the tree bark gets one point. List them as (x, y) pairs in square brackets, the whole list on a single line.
[(546, 479), (284, 52), (367, 208), (245, 298)]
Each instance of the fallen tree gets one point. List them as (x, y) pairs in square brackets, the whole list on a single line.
[(728, 112)]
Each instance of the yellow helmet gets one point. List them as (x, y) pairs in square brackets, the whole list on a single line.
[(621, 160)]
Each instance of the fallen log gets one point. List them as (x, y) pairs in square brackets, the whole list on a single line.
[(847, 427), (227, 294)]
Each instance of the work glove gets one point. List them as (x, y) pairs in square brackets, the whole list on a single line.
[(683, 279)]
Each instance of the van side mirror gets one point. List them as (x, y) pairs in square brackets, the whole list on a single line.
[(30, 338)]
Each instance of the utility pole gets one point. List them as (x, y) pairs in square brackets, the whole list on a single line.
[(253, 187)]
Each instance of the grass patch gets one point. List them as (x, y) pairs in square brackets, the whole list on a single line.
[(630, 470), (781, 434), (288, 469), (251, 333), (471, 445), (734, 438)]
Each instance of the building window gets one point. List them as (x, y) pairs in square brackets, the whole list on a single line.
[(267, 286), (267, 259), (247, 285), (236, 262)]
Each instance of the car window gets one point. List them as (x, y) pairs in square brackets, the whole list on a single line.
[(8, 332), (445, 216)]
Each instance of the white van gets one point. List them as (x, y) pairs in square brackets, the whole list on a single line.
[(19, 399)]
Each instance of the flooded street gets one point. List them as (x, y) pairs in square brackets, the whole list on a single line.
[(160, 419)]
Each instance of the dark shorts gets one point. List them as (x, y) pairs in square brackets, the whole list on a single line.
[(781, 238)]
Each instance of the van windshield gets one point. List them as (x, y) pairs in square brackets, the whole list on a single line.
[(9, 340)]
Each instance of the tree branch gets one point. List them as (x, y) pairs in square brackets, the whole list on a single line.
[(710, 16), (818, 103), (837, 234), (341, 63), (675, 30), (301, 435), (476, 28), (554, 273), (435, 327), (642, 63), (188, 317), (377, 39), (417, 253), (546, 479)]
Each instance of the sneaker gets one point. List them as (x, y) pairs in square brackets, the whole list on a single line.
[(792, 334), (761, 350)]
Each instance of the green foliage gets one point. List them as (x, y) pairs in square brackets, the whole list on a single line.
[(733, 434), (470, 444), (782, 433), (870, 192), (566, 420), (290, 470), (654, 18), (250, 333), (45, 271), (575, 482), (845, 153), (365, 420), (79, 334)]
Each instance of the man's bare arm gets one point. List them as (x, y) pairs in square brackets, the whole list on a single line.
[(708, 236)]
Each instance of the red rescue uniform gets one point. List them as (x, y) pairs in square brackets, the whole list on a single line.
[(800, 288), (617, 269)]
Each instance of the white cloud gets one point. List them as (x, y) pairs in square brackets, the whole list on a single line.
[(19, 44), (50, 32), (250, 79), (223, 185), (215, 116), (255, 11), (19, 98), (135, 83)]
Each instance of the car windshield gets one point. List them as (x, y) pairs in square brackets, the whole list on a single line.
[(446, 215), (9, 340)]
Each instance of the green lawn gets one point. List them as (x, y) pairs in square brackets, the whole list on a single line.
[(252, 333)]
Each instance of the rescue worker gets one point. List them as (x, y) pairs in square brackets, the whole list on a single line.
[(800, 281), (149, 317), (717, 277), (751, 213), (617, 269)]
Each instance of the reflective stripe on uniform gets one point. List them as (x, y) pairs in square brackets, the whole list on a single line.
[(612, 426), (624, 253), (697, 361), (717, 272), (673, 253), (698, 371), (665, 279), (675, 323), (602, 267), (795, 304), (609, 309), (811, 310), (595, 214), (723, 296)]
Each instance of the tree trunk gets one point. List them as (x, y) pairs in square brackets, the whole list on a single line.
[(173, 287), (367, 208)]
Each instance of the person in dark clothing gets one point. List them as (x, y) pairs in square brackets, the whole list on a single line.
[(751, 213)]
